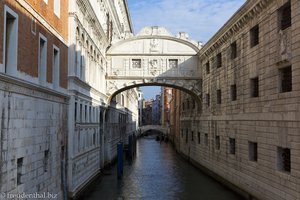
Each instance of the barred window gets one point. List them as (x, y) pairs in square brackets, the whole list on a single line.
[(206, 139), (192, 135), (219, 60), (233, 48), (218, 142), (207, 66), (199, 138), (219, 97), (233, 92), (284, 159), (284, 14), (252, 151), (254, 36), (173, 63), (207, 99), (254, 87), (232, 146), (136, 63), (285, 78)]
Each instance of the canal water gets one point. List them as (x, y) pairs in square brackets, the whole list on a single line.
[(158, 173)]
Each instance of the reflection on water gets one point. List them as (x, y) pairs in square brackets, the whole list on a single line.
[(159, 173)]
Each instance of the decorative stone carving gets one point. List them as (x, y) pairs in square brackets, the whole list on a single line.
[(284, 45), (154, 45)]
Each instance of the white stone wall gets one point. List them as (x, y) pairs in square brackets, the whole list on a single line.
[(33, 120)]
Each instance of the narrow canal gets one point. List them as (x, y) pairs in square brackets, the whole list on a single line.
[(158, 172)]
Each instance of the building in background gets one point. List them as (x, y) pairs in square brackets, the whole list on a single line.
[(156, 110), (147, 113), (167, 94), (33, 96)]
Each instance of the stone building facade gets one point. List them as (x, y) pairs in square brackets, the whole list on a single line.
[(96, 123), (246, 130), (33, 100)]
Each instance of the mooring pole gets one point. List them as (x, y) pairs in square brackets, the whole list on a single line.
[(120, 160)]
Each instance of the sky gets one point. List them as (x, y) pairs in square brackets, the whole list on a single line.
[(200, 19)]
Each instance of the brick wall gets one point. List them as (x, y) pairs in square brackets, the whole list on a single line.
[(28, 42)]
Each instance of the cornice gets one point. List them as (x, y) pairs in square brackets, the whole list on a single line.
[(237, 22), (92, 18)]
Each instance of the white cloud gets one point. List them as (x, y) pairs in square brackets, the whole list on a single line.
[(199, 18)]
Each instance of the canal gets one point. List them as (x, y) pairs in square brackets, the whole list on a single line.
[(158, 172)]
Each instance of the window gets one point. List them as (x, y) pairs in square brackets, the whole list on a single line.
[(42, 59), (285, 79), (254, 36), (284, 159), (136, 63), (20, 166), (254, 87), (57, 8), (90, 114), (85, 113), (219, 60), (199, 138), (218, 142), (186, 135), (75, 112), (173, 63), (284, 14), (207, 66), (182, 133), (233, 48), (192, 135), (80, 116), (252, 151), (10, 41), (55, 68), (206, 139), (219, 97), (207, 99), (232, 146), (46, 160), (233, 92)]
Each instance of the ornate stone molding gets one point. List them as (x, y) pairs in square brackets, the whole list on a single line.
[(246, 13)]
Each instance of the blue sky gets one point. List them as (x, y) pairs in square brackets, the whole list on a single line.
[(201, 19)]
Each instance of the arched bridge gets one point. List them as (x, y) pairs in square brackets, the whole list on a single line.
[(154, 57), (146, 128)]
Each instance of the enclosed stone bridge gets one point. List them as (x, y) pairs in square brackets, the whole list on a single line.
[(144, 129), (154, 57)]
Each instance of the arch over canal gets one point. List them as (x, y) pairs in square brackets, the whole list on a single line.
[(154, 57), (159, 128)]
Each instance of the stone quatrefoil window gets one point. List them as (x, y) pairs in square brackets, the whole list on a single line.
[(136, 63), (173, 63)]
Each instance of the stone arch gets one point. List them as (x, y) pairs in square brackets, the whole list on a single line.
[(193, 92), (144, 129)]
